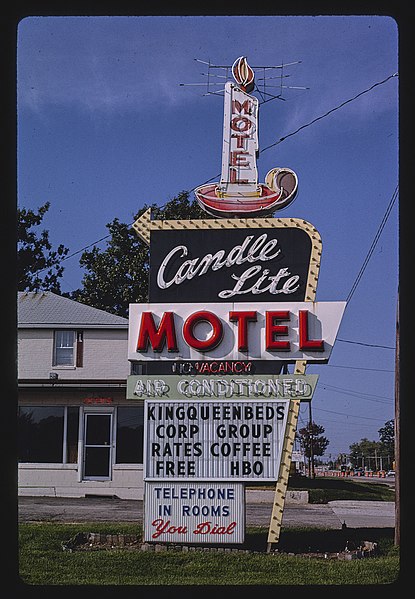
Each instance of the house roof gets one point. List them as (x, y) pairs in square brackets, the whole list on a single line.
[(48, 310)]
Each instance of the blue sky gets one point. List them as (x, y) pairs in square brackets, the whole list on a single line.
[(104, 127)]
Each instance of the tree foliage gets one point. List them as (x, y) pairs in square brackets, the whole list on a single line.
[(38, 265), (366, 453), (387, 437), (312, 440), (363, 449), (118, 275)]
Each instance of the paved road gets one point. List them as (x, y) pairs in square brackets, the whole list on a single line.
[(356, 514), (362, 514)]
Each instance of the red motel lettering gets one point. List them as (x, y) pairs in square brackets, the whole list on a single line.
[(272, 329), (305, 342), (217, 330), (242, 129), (157, 337), (242, 318)]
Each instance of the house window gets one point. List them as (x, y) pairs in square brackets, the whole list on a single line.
[(48, 434), (64, 352), (130, 427)]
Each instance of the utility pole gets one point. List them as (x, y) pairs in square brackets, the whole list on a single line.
[(397, 436)]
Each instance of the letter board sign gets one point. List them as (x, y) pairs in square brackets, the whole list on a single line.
[(208, 440), (202, 513)]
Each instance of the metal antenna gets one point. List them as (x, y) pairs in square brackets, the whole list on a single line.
[(262, 85)]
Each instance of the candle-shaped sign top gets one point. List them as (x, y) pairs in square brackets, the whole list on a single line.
[(243, 74), (238, 192)]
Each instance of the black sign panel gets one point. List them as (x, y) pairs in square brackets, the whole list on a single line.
[(229, 265), (218, 367)]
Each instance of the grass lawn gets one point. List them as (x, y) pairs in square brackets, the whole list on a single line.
[(323, 489), (43, 562)]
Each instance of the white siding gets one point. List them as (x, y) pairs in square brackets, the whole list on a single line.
[(59, 480), (104, 355), (35, 353)]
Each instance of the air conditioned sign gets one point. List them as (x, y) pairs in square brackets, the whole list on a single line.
[(235, 387), (205, 440), (295, 331), (194, 512)]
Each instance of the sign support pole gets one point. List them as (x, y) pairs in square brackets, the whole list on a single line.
[(274, 529), (282, 483)]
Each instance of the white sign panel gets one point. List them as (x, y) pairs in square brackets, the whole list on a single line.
[(284, 386), (234, 331), (199, 513), (205, 440), (240, 135)]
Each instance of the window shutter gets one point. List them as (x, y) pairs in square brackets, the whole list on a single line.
[(79, 349)]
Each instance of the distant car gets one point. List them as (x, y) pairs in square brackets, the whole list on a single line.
[(390, 473)]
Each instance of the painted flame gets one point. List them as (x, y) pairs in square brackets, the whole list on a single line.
[(243, 74)]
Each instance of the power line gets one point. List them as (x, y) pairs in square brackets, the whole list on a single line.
[(366, 396), (263, 150), (359, 393), (348, 415), (372, 247), (322, 116), (364, 265), (83, 249), (361, 425), (365, 91), (366, 344), (358, 367)]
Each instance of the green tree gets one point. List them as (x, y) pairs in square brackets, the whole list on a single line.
[(313, 442), (118, 275), (387, 440), (35, 254), (374, 455), (312, 439), (363, 453)]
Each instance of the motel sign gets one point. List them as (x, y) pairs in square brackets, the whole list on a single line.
[(231, 304)]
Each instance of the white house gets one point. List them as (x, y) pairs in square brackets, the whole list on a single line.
[(78, 434)]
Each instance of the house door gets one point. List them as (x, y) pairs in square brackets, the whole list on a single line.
[(97, 446)]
